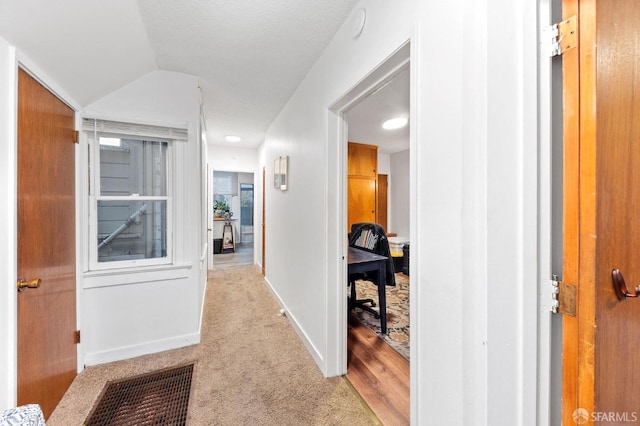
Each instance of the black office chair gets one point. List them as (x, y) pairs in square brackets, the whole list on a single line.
[(370, 237)]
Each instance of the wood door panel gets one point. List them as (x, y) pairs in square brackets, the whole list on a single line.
[(617, 335), (362, 200), (602, 82), (382, 208), (46, 245), (362, 160)]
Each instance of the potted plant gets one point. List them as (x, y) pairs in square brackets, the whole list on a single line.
[(222, 209)]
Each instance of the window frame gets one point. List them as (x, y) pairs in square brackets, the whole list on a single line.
[(93, 138)]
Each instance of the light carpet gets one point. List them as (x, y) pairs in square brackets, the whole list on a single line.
[(251, 367)]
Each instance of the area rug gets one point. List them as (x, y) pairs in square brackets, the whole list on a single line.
[(157, 398), (397, 312)]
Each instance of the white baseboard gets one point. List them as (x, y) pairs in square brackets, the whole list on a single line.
[(317, 356), (146, 348)]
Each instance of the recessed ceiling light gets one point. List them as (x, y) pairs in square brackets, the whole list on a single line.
[(394, 123), (231, 138)]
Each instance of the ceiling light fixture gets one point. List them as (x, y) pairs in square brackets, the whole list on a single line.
[(231, 138), (394, 123)]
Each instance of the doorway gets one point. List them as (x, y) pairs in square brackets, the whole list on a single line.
[(46, 305), (356, 110), (233, 200)]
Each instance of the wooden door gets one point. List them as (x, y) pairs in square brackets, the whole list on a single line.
[(601, 361), (382, 200), (362, 167), (46, 245)]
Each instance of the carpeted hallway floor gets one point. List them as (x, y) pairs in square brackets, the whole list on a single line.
[(250, 368)]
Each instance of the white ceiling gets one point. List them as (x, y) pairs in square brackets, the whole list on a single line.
[(249, 55), (366, 118)]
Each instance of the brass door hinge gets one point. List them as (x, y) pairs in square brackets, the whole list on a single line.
[(77, 337), (561, 37), (564, 298), (76, 136)]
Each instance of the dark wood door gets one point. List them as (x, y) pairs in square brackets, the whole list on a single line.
[(601, 361), (46, 245)]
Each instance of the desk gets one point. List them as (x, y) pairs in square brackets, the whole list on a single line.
[(359, 261)]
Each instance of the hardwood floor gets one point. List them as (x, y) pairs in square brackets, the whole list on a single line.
[(379, 374), (242, 256)]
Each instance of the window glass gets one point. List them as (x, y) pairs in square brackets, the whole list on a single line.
[(131, 200), (132, 167), (130, 230)]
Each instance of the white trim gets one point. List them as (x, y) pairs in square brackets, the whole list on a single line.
[(398, 61), (132, 351), (8, 225), (315, 353), (415, 388), (546, 352), (91, 135), (135, 275), (34, 70), (532, 215)]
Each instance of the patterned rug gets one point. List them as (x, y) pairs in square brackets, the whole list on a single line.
[(397, 312)]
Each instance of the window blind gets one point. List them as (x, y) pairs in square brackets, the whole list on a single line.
[(134, 129)]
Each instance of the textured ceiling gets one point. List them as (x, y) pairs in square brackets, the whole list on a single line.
[(88, 47), (249, 55)]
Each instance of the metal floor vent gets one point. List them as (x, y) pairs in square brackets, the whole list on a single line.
[(157, 398)]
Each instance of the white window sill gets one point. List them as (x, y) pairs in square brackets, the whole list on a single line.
[(135, 275)]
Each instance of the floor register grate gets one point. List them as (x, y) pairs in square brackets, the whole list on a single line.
[(156, 398)]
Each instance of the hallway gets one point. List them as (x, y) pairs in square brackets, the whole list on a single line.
[(250, 367)]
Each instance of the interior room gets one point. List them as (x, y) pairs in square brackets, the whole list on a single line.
[(378, 192)]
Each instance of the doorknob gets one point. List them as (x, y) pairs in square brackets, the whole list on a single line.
[(33, 283), (620, 286)]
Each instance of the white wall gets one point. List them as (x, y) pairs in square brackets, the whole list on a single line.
[(142, 310), (384, 164), (8, 247), (473, 229), (231, 159), (473, 206), (399, 195)]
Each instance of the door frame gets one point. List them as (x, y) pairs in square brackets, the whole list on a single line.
[(394, 64), (8, 226), (549, 347), (9, 65)]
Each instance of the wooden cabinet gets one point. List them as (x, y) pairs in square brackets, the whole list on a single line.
[(362, 160), (362, 183), (362, 200)]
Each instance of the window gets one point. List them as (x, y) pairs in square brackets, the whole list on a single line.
[(224, 189), (130, 197)]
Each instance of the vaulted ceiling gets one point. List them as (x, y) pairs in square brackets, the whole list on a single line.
[(249, 55)]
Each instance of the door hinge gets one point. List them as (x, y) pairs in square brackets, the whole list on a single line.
[(564, 297), (77, 337), (561, 37), (76, 136)]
